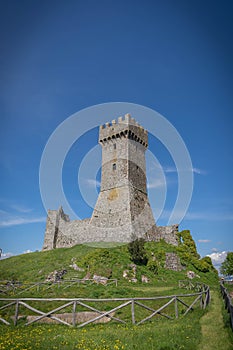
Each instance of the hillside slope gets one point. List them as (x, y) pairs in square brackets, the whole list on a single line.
[(110, 263)]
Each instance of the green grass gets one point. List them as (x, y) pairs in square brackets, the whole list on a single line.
[(179, 334), (189, 332), (215, 335), (112, 262), (203, 330)]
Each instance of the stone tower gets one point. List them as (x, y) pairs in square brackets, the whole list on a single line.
[(122, 211)]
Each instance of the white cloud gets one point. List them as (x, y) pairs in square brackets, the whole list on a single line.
[(6, 255), (204, 240), (14, 221), (194, 170), (157, 183), (199, 171), (218, 258), (27, 251), (170, 169), (93, 182)]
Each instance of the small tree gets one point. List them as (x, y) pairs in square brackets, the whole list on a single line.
[(137, 251), (227, 265)]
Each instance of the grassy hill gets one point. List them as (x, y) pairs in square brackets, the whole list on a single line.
[(191, 332), (110, 262)]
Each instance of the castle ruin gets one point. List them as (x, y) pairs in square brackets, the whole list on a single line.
[(122, 211)]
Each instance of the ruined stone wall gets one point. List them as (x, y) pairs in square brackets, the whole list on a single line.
[(61, 232), (167, 233), (122, 211), (173, 262), (50, 229)]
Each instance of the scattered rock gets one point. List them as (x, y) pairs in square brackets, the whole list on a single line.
[(130, 274), (76, 267), (81, 317), (56, 276), (87, 277), (100, 279), (134, 280), (191, 274), (145, 279), (133, 267)]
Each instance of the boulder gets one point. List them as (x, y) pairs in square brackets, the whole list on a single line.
[(145, 279), (100, 279), (56, 276), (191, 274)]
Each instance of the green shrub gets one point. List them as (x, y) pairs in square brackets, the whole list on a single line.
[(137, 251), (203, 265), (187, 248), (153, 266), (227, 266)]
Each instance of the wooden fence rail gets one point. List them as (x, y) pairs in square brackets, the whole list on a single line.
[(160, 306), (17, 287), (228, 302)]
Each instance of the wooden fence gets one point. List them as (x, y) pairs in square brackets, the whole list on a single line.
[(139, 310), (17, 287), (228, 302)]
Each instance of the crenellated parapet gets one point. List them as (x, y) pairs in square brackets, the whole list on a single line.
[(125, 127), (122, 211)]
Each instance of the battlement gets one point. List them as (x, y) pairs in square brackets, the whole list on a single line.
[(122, 211), (124, 127)]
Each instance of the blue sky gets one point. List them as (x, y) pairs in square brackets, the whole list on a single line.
[(58, 57)]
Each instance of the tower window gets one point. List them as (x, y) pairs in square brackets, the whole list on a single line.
[(114, 146), (114, 166)]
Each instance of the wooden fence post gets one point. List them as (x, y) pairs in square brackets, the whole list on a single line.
[(176, 308), (74, 313), (16, 312), (133, 311)]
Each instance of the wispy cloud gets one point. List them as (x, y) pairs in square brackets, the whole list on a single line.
[(175, 170), (157, 183), (209, 216), (204, 216), (14, 221), (93, 182), (214, 250), (199, 171), (21, 208), (170, 169), (10, 219), (204, 240), (3, 212)]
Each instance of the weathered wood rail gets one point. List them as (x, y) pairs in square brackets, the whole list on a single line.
[(228, 302), (17, 287), (168, 306)]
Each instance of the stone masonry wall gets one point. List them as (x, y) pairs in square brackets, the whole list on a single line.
[(173, 262), (122, 211)]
